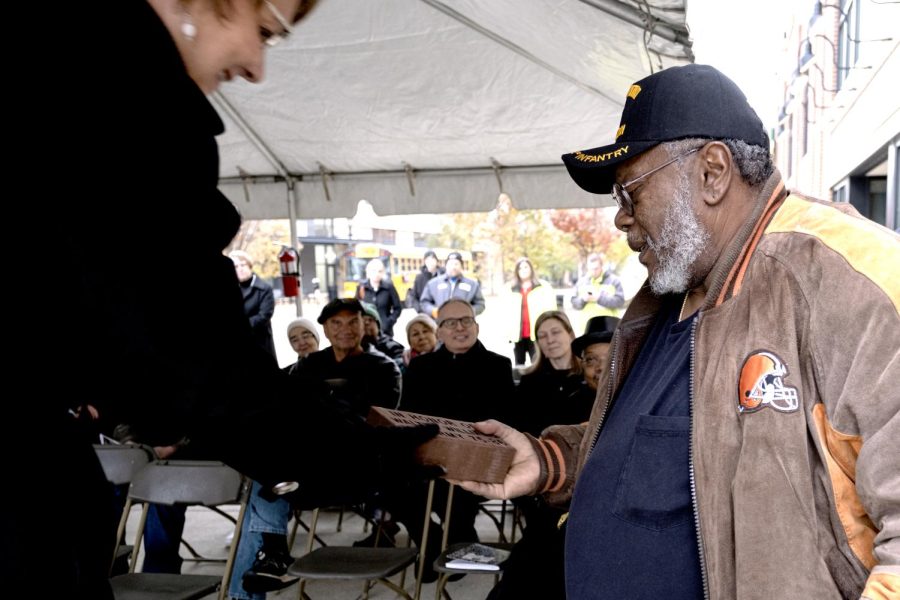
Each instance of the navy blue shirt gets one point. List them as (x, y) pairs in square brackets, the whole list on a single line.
[(630, 532)]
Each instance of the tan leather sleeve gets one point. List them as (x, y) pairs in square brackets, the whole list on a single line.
[(557, 451)]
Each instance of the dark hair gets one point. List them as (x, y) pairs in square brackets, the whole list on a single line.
[(753, 162), (534, 278)]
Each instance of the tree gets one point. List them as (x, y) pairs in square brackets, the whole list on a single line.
[(591, 230), (506, 234), (262, 240)]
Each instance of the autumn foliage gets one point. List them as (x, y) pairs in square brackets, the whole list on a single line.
[(589, 229)]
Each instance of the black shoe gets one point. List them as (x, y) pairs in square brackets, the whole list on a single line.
[(269, 573), (385, 540)]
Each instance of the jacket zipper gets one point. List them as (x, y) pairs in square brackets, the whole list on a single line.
[(612, 373), (691, 469)]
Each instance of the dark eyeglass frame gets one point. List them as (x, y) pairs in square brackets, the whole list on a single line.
[(621, 195), (453, 323)]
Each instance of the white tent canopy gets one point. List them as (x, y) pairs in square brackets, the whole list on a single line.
[(436, 106)]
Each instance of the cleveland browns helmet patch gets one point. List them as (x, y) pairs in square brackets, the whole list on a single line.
[(761, 384)]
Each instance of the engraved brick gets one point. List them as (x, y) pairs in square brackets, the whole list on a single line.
[(466, 454)]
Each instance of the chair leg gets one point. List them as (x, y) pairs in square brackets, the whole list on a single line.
[(424, 543)]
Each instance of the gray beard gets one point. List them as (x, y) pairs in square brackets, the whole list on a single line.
[(680, 243)]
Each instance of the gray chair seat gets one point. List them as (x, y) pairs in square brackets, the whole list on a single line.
[(152, 586), (341, 562)]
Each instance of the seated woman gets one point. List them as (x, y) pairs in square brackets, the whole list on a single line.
[(421, 335), (304, 339), (552, 391)]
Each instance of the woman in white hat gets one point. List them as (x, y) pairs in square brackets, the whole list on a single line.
[(304, 339)]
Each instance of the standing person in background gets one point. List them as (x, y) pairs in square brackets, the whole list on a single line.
[(162, 337), (380, 291), (598, 292), (745, 437), (259, 300), (429, 271), (451, 284), (530, 298)]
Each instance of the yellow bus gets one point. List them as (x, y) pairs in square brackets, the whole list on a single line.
[(401, 264)]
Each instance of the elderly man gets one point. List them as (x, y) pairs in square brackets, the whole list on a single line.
[(353, 377), (451, 284), (745, 438)]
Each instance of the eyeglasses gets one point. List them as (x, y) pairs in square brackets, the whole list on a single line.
[(621, 195), (454, 323), (591, 361), (271, 38)]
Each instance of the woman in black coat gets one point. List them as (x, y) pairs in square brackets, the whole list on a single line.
[(136, 249), (259, 300)]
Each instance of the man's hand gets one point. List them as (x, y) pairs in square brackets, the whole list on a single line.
[(523, 474)]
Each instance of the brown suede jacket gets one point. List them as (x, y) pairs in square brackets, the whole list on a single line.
[(795, 402)]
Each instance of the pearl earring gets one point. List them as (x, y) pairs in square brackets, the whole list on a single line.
[(188, 29)]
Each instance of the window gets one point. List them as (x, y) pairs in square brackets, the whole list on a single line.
[(848, 34)]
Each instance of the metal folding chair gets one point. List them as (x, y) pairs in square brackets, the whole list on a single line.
[(370, 565), (120, 463), (190, 483)]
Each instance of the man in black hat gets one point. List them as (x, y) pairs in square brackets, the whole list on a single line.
[(344, 372), (451, 284), (745, 435), (430, 270), (593, 348)]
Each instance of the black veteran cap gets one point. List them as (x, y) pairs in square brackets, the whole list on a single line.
[(693, 101), (599, 330), (339, 305)]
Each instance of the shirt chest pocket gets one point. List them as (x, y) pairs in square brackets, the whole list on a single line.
[(653, 490)]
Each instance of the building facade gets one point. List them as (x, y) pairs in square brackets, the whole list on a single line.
[(839, 127)]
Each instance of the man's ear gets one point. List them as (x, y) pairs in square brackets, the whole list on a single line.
[(716, 170)]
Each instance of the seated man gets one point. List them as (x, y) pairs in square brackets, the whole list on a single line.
[(345, 372), (460, 380), (374, 337), (355, 380), (263, 556)]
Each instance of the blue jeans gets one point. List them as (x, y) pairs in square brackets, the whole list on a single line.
[(262, 517)]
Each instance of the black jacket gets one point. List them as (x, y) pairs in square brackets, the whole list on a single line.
[(548, 397), (473, 386), (259, 306), (414, 296), (386, 300), (355, 384), (134, 248)]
